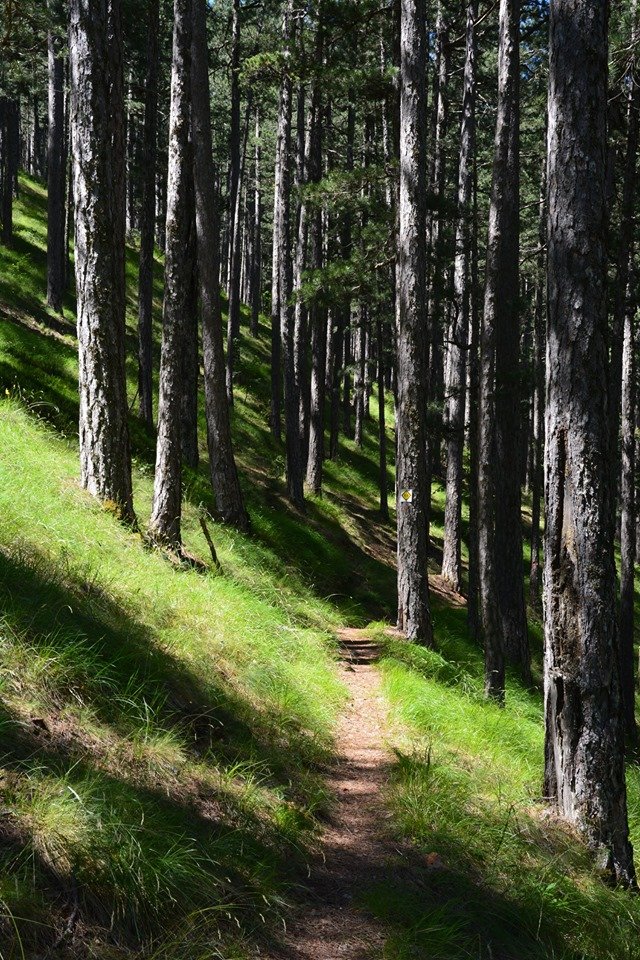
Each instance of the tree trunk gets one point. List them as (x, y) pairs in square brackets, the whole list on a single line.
[(382, 431), (191, 353), (498, 370), (280, 249), (627, 520), (224, 475), (317, 314), (147, 222), (455, 387), (537, 440), (300, 324), (235, 259), (256, 244), (164, 525), (360, 314), (505, 302), (9, 110), (473, 595), (584, 749), (414, 615), (56, 174), (104, 437), (622, 381)]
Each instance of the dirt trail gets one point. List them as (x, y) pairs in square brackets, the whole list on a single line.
[(356, 849)]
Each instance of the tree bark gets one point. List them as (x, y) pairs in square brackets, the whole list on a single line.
[(622, 388), (235, 261), (382, 430), (628, 511), (537, 440), (147, 222), (99, 214), (508, 390), (256, 244), (224, 475), (473, 595), (282, 280), (414, 616), (191, 352), (56, 173), (584, 749), (455, 387), (300, 323), (498, 370), (317, 314), (9, 112), (164, 525)]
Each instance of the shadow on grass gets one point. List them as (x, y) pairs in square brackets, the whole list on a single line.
[(185, 835)]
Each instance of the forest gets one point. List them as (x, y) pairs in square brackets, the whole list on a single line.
[(319, 482)]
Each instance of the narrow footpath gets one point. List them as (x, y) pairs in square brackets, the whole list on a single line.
[(356, 847)]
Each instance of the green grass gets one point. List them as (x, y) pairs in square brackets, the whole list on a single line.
[(163, 731), (509, 880)]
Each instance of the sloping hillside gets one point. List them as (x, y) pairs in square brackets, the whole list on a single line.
[(167, 730)]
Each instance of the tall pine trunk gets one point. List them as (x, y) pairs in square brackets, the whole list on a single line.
[(414, 615), (147, 221), (584, 749), (224, 474), (628, 511), (505, 303), (56, 173), (497, 338), (255, 280), (455, 386), (537, 439), (317, 314), (165, 520), (99, 216)]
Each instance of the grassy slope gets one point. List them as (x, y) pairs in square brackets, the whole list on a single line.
[(162, 730)]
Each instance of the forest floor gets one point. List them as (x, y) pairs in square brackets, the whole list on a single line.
[(240, 764)]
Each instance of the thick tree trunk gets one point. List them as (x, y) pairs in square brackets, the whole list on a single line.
[(56, 174), (99, 215), (584, 750), (147, 221), (473, 595), (164, 525), (498, 375), (224, 475), (455, 387), (436, 266), (505, 302), (414, 615)]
